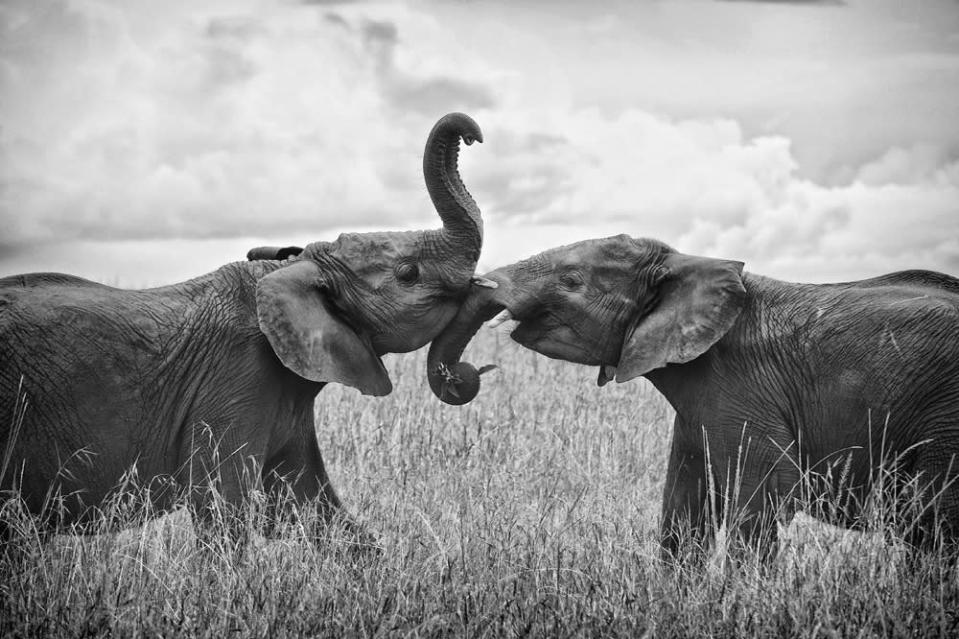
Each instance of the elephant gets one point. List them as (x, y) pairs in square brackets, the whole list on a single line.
[(773, 383), (218, 375)]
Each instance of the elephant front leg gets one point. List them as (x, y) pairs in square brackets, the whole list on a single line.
[(298, 487), (763, 493), (220, 474), (937, 519), (684, 515), (754, 528)]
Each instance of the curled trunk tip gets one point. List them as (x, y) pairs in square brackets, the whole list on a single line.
[(455, 384), (453, 381)]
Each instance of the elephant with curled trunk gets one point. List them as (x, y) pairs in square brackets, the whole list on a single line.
[(218, 375), (773, 383)]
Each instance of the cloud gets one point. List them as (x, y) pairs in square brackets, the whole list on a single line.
[(148, 127), (131, 124), (908, 166), (408, 91), (326, 2), (799, 2), (706, 188)]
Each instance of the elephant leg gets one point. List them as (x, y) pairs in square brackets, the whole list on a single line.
[(764, 494), (217, 507), (220, 472), (939, 520), (684, 514), (296, 476), (296, 471), (756, 529)]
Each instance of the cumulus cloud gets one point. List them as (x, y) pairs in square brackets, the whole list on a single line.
[(129, 123), (706, 188), (408, 91), (799, 2)]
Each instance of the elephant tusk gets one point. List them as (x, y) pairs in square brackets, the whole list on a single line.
[(503, 316), (482, 281), (607, 373)]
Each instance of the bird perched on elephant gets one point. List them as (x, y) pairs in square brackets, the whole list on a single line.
[(772, 382), (153, 379)]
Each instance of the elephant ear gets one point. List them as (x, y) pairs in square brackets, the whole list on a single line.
[(700, 299), (309, 338)]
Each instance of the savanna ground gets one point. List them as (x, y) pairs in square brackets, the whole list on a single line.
[(530, 512)]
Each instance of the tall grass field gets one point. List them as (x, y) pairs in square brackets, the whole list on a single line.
[(533, 511)]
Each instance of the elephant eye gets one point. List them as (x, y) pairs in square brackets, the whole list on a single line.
[(407, 272), (571, 280)]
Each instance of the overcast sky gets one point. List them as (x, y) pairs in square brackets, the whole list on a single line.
[(146, 142)]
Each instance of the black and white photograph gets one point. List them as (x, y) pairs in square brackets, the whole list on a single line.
[(479, 318)]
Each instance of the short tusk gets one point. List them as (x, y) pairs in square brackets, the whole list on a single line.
[(503, 316), (607, 373), (482, 281)]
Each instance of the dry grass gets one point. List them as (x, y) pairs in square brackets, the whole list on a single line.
[(530, 512)]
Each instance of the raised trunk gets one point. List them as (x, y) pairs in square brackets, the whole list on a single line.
[(461, 217), (451, 380)]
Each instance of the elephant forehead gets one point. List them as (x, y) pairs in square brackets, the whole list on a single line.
[(374, 256), (377, 247), (390, 246), (609, 255)]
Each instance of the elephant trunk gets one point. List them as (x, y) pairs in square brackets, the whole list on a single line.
[(462, 223), (453, 381)]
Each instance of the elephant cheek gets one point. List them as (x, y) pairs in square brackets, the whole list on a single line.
[(557, 343), (413, 330), (396, 340), (432, 322)]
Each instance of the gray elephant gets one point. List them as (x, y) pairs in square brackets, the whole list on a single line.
[(218, 375), (781, 380)]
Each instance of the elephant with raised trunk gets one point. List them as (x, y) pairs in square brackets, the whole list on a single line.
[(772, 382), (155, 379)]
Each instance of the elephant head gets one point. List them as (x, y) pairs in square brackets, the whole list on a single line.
[(626, 305), (332, 308)]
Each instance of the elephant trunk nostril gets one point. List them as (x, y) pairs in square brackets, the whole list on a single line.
[(451, 380), (455, 384)]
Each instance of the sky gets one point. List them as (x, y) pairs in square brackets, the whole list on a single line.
[(143, 143)]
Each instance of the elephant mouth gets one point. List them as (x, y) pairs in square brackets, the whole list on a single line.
[(543, 333)]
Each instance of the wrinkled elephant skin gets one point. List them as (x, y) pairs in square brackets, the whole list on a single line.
[(784, 382), (216, 377)]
